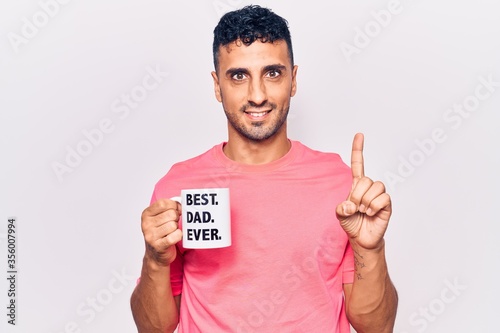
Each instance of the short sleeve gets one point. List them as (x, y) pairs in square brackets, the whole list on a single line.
[(176, 274), (348, 265)]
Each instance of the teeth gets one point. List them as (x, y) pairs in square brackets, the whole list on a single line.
[(260, 114)]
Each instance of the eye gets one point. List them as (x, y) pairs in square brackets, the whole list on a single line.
[(273, 73), (239, 76)]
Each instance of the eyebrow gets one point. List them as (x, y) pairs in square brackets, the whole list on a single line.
[(234, 70), (274, 67)]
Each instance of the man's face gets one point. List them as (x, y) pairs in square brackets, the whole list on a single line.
[(254, 84)]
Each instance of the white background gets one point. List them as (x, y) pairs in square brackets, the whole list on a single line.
[(80, 229)]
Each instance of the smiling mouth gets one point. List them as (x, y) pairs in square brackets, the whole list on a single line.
[(257, 114)]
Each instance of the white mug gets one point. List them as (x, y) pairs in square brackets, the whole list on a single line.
[(206, 218)]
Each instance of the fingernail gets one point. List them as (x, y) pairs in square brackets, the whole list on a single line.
[(345, 209)]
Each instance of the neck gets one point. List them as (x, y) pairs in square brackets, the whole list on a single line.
[(246, 151)]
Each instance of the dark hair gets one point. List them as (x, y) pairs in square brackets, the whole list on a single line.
[(249, 24)]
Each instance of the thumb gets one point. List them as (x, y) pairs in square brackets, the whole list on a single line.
[(346, 209)]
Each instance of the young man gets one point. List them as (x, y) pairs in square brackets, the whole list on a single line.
[(308, 246)]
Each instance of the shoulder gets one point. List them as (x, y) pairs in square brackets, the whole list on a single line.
[(319, 158)]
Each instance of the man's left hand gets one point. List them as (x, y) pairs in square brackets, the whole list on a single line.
[(365, 213)]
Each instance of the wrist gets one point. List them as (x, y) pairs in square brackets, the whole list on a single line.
[(152, 264), (375, 249)]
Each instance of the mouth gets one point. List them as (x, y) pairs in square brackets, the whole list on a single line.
[(257, 114)]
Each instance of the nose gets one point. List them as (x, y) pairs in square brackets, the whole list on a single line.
[(257, 94)]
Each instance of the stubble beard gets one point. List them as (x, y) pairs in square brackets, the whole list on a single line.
[(258, 131)]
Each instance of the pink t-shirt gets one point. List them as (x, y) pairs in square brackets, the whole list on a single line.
[(289, 256)]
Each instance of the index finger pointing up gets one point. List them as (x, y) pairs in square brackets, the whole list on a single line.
[(357, 163)]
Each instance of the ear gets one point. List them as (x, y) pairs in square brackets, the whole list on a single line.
[(294, 81), (217, 91)]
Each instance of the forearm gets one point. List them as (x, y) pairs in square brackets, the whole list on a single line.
[(373, 299), (153, 306)]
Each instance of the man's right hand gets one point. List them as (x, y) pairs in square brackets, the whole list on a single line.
[(160, 226)]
